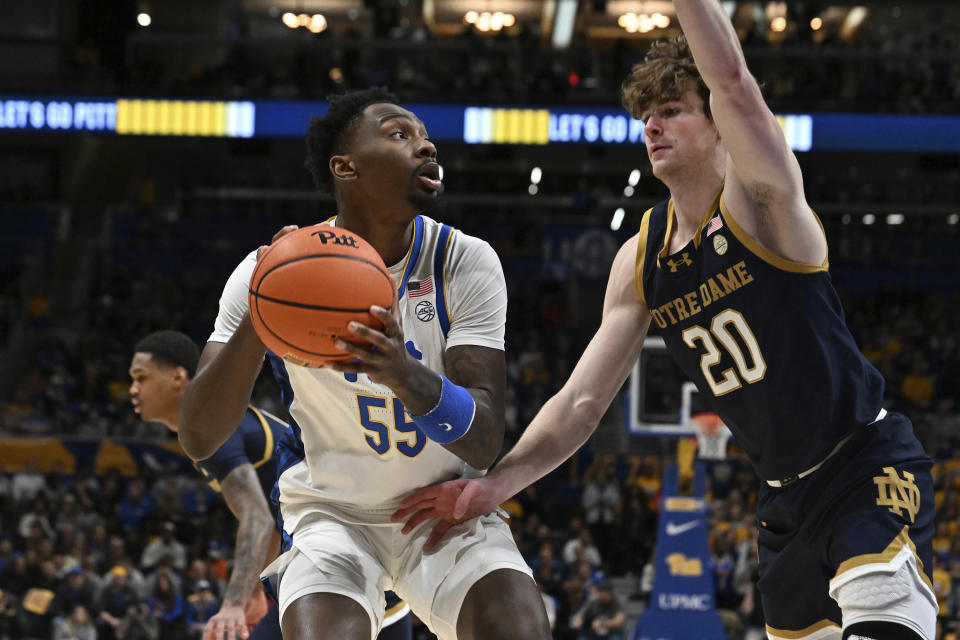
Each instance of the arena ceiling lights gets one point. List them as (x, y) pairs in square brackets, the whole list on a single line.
[(485, 17)]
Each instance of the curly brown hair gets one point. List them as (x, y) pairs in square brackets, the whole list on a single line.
[(665, 73)]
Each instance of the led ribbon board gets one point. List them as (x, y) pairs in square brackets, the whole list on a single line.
[(122, 116), (470, 124)]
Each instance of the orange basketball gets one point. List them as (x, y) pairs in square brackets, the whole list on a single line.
[(306, 288)]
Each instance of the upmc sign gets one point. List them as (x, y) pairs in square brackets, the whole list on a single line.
[(682, 603), (685, 601)]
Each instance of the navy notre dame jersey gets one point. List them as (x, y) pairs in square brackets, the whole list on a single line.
[(762, 337), (253, 442)]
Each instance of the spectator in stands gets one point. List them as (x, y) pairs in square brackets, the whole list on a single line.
[(116, 600), (115, 555), (9, 608), (751, 612), (76, 626), (16, 575), (570, 600), (137, 504), (35, 517), (201, 605), (602, 617), (548, 570), (602, 504), (580, 549), (550, 604), (953, 600), (138, 624), (200, 572), (722, 562), (166, 604), (165, 546), (941, 586), (77, 590), (198, 499), (36, 611)]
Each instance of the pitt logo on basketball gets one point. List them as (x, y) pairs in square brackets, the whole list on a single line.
[(900, 494), (333, 238), (692, 303)]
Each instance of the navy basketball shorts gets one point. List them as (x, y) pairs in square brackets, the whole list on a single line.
[(861, 520)]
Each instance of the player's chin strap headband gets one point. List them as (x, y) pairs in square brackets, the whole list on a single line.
[(451, 418), (804, 474)]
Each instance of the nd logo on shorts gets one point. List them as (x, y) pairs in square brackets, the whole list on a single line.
[(425, 311), (899, 494)]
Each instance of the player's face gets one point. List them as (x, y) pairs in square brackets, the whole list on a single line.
[(395, 159), (154, 389), (679, 134)]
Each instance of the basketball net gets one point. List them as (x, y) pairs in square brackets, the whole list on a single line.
[(712, 436)]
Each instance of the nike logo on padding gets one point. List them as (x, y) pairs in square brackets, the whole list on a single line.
[(677, 529), (446, 426)]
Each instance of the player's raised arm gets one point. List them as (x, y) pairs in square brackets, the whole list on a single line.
[(764, 186), (565, 421)]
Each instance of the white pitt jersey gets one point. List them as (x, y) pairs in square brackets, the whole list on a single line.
[(354, 448)]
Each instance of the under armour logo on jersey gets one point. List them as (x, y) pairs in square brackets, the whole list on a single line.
[(684, 261), (900, 494), (332, 238)]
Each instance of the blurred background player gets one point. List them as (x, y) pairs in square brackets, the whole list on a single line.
[(733, 271), (243, 469), (343, 470)]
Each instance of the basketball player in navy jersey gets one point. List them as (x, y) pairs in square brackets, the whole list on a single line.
[(733, 271), (244, 471), (423, 404)]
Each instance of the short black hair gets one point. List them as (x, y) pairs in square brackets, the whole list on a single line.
[(172, 348), (327, 137)]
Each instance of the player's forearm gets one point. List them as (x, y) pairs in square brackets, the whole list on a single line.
[(250, 551), (419, 388), (713, 42), (466, 412), (216, 399), (481, 445), (560, 428)]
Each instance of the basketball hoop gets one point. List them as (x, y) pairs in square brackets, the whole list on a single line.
[(712, 436)]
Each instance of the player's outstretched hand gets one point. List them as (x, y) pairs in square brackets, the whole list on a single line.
[(452, 502), (229, 623)]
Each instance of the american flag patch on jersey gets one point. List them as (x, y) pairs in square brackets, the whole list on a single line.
[(716, 222), (421, 288)]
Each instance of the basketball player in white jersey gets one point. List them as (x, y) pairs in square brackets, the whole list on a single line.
[(423, 404)]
